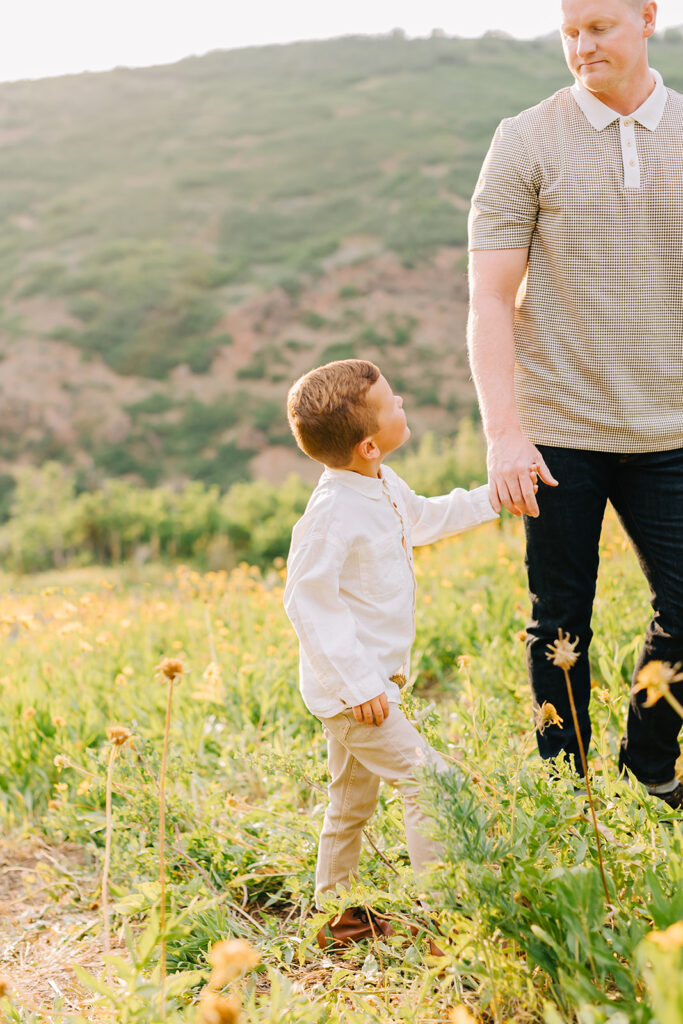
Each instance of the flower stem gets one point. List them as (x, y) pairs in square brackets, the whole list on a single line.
[(675, 704), (584, 765), (162, 851), (109, 828)]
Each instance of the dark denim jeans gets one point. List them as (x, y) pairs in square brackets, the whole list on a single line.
[(562, 564)]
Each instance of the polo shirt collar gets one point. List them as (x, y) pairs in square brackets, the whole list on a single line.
[(649, 114), (370, 486)]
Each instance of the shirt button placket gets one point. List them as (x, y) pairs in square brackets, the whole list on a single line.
[(629, 153)]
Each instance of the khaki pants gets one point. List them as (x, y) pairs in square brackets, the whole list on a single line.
[(359, 757)]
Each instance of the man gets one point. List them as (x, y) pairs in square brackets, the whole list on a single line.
[(576, 347)]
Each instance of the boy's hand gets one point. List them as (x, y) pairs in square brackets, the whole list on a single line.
[(372, 712)]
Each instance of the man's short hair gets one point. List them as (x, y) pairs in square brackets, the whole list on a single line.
[(328, 410)]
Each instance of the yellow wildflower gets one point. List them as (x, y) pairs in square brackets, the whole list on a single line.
[(461, 1015), (28, 714), (546, 715), (656, 677), (118, 735), (59, 721), (215, 1009), (229, 959), (669, 940), (171, 668), (211, 687), (563, 651)]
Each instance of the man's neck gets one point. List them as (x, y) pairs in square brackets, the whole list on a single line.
[(626, 101)]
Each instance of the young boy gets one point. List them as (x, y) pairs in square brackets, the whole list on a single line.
[(350, 595)]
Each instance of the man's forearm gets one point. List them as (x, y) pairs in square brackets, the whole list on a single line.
[(514, 463), (492, 359)]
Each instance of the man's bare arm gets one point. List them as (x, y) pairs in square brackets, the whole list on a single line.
[(495, 278)]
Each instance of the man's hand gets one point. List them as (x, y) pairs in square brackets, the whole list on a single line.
[(372, 712), (514, 464)]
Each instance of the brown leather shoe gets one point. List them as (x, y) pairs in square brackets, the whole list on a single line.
[(352, 925)]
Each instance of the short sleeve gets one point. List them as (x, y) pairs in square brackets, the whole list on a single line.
[(505, 201)]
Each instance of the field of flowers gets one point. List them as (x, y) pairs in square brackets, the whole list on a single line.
[(102, 921)]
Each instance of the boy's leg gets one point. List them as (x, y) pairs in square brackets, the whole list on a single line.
[(397, 753), (353, 796)]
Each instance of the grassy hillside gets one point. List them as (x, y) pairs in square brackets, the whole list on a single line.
[(180, 242)]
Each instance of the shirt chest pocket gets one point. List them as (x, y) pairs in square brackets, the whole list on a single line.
[(382, 568)]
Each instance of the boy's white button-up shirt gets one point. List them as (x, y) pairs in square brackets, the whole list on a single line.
[(350, 591)]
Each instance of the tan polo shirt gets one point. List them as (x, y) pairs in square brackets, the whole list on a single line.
[(598, 199)]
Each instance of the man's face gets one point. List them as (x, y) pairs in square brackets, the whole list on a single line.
[(605, 41)]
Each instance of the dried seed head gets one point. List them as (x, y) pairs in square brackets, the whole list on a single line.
[(669, 940), (28, 714), (563, 651), (656, 677), (118, 735), (229, 959), (546, 715), (4, 987), (215, 1009), (171, 668)]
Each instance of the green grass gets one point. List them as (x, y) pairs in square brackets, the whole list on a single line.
[(525, 926)]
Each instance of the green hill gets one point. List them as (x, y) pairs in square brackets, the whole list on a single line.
[(180, 242)]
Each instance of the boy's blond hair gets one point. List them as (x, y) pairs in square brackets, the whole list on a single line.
[(328, 411)]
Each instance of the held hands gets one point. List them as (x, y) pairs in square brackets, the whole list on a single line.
[(514, 466), (372, 712)]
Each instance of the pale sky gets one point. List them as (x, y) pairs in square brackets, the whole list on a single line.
[(41, 38)]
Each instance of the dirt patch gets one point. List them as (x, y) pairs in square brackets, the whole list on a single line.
[(49, 921)]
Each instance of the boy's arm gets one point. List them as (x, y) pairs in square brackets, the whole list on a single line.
[(434, 518), (326, 630)]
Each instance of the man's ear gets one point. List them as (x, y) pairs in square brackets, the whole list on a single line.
[(649, 19), (367, 449)]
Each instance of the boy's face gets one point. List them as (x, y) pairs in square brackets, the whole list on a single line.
[(392, 427)]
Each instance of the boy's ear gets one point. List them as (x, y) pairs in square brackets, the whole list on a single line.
[(367, 449)]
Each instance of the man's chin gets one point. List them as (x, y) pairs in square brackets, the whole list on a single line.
[(593, 77)]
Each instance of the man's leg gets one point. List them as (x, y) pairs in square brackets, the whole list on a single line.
[(562, 566), (352, 794), (648, 496)]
